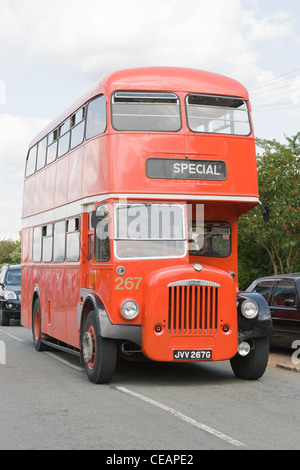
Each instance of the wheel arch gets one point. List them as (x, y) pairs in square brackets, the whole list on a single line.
[(35, 297), (105, 328)]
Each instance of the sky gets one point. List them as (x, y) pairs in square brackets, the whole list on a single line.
[(53, 51)]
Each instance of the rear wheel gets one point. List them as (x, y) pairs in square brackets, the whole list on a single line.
[(99, 353), (36, 327), (252, 366)]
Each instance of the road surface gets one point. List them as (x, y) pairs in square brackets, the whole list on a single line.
[(47, 402)]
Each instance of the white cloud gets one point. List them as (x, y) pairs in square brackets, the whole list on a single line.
[(16, 133), (95, 36), (274, 27)]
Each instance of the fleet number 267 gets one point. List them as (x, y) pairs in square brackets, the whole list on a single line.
[(128, 282)]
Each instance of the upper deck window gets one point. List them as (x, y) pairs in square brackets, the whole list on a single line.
[(41, 155), (31, 162), (96, 117), (146, 111), (77, 127), (217, 115)]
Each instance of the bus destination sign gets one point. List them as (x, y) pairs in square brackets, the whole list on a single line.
[(186, 169)]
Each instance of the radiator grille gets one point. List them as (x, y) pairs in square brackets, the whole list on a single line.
[(193, 309)]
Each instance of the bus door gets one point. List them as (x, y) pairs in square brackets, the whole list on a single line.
[(99, 249)]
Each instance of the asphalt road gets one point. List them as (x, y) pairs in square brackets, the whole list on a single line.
[(47, 402)]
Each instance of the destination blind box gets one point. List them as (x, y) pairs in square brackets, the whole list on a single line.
[(186, 169)]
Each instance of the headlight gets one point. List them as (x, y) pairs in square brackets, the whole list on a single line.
[(10, 295), (130, 309), (249, 309)]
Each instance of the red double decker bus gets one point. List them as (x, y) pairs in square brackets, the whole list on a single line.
[(129, 238)]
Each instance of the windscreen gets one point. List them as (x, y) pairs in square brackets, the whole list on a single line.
[(13, 277), (150, 231)]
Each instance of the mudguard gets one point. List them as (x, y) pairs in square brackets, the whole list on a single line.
[(261, 326), (104, 326)]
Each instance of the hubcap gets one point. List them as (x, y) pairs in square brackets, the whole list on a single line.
[(89, 347)]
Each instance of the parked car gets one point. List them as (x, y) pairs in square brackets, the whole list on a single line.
[(282, 293), (10, 293)]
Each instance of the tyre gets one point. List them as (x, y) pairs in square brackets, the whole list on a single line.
[(252, 366), (99, 354), (36, 327), (4, 319)]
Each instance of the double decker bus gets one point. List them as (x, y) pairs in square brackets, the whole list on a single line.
[(129, 225)]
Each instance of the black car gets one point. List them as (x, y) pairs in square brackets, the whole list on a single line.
[(282, 293), (10, 293)]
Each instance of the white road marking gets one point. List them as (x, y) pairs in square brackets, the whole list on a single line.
[(12, 336), (63, 360), (185, 418)]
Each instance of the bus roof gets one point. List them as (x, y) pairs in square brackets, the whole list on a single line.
[(174, 79)]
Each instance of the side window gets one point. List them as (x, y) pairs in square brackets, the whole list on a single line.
[(41, 154), (96, 117), (210, 239), (264, 288), (102, 234), (47, 242), (77, 127), (52, 146), (31, 162), (64, 138), (59, 241), (284, 290), (37, 244), (73, 239)]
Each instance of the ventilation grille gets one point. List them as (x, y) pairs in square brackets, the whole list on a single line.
[(193, 309)]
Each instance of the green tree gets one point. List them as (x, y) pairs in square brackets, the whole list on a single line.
[(10, 251), (278, 179)]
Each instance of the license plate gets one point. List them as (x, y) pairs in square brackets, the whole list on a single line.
[(192, 354)]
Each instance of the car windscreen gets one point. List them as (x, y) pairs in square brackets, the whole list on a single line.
[(13, 277)]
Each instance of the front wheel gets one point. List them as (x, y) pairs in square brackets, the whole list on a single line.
[(99, 353), (252, 366)]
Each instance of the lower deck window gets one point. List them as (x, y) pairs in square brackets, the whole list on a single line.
[(59, 241), (211, 239), (73, 239)]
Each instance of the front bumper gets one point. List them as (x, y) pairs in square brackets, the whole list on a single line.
[(11, 308)]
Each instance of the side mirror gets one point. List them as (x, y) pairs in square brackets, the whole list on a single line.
[(289, 303), (94, 219), (266, 212)]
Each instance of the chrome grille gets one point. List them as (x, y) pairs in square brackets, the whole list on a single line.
[(193, 308)]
